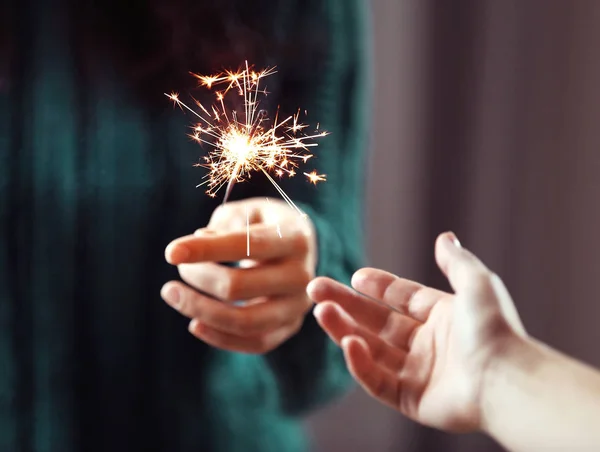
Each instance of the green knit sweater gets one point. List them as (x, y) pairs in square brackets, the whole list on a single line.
[(92, 188)]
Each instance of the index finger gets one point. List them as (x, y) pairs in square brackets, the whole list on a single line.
[(259, 241), (411, 298)]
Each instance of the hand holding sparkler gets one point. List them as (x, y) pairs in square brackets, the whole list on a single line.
[(273, 283), (248, 141)]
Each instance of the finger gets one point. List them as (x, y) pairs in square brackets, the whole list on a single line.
[(377, 381), (288, 277), (242, 344), (468, 275), (396, 329), (246, 321), (463, 270), (338, 324), (236, 214), (366, 312), (218, 246), (409, 297)]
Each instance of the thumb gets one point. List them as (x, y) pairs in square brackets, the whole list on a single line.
[(461, 267), (468, 275)]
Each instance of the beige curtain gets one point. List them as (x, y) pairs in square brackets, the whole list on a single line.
[(486, 122)]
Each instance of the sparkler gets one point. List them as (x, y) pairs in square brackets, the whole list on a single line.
[(247, 142), (242, 144)]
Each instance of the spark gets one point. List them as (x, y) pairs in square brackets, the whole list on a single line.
[(243, 143), (273, 218), (247, 230), (313, 177)]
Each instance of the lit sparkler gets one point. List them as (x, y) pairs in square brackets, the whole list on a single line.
[(248, 142)]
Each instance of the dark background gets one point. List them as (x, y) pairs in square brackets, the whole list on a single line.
[(486, 122)]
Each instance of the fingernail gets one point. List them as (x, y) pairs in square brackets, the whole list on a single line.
[(177, 253), (192, 326), (345, 341), (172, 296), (317, 310), (452, 237), (358, 280)]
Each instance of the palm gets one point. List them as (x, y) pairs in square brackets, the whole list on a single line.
[(426, 356), (438, 388), (419, 359)]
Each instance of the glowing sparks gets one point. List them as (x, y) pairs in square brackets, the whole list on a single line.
[(244, 142), (314, 177)]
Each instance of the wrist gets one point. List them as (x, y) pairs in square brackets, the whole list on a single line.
[(514, 358)]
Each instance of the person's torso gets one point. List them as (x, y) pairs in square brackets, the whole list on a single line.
[(92, 189)]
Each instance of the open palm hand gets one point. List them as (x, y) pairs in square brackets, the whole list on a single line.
[(427, 356)]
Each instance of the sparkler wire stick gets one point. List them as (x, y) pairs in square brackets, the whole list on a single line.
[(247, 230), (278, 227), (229, 188)]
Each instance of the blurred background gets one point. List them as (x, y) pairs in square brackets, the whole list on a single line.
[(486, 122)]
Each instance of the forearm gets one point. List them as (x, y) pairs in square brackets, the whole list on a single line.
[(310, 368), (332, 84), (537, 399)]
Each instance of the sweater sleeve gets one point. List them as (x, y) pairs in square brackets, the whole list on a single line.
[(309, 369)]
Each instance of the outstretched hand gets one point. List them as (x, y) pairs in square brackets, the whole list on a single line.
[(428, 360)]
